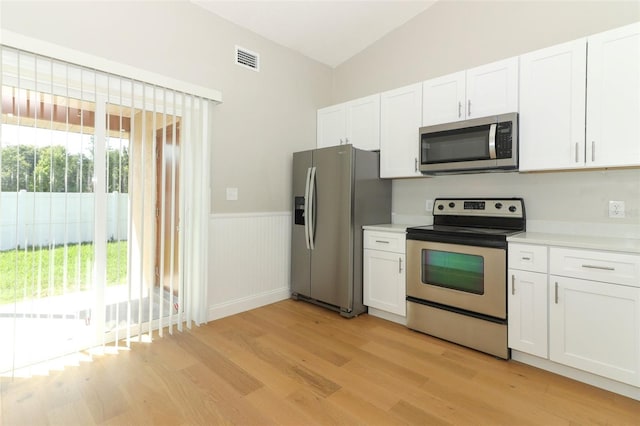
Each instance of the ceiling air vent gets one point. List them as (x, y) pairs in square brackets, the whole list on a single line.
[(247, 58)]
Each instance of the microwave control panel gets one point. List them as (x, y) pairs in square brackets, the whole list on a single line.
[(504, 139)]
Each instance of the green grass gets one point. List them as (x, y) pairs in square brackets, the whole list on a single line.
[(25, 273)]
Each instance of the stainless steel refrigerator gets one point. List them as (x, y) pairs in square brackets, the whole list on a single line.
[(336, 191)]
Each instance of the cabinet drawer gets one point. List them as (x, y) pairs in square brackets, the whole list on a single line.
[(528, 257), (612, 267), (386, 241)]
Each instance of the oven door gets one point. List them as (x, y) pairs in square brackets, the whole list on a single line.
[(465, 277)]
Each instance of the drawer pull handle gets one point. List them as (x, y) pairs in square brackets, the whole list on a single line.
[(526, 258), (382, 241), (556, 293), (604, 268), (399, 265), (513, 285)]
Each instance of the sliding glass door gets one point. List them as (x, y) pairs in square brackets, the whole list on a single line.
[(91, 209)]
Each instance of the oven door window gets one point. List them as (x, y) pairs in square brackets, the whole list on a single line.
[(457, 271)]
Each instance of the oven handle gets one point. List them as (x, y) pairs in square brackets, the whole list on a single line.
[(492, 141), (459, 239)]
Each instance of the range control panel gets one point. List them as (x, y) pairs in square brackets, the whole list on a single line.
[(498, 207)]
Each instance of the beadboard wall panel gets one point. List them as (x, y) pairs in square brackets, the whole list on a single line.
[(250, 258)]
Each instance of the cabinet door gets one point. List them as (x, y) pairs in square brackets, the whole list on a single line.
[(613, 98), (400, 119), (492, 88), (552, 107), (595, 327), (363, 123), (443, 99), (384, 281), (528, 312), (332, 126)]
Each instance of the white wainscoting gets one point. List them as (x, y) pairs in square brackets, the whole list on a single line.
[(250, 258)]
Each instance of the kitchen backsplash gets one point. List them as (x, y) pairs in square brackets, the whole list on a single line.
[(560, 202)]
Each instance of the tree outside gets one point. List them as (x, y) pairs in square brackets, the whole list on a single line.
[(54, 169)]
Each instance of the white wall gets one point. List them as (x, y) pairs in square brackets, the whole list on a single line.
[(455, 35), (264, 116)]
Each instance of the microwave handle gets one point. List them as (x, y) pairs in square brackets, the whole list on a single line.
[(492, 141)]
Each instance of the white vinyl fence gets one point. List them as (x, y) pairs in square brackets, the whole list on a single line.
[(42, 218)]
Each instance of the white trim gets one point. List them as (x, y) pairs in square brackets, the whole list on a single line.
[(237, 306), (246, 215), (579, 375), (19, 41)]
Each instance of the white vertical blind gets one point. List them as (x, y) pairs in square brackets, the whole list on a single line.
[(104, 203)]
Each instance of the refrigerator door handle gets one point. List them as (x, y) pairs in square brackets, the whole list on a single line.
[(310, 214), (306, 208)]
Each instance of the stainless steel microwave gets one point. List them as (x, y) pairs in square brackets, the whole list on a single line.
[(480, 144)]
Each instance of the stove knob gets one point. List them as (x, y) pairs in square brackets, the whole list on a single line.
[(452, 205), (440, 207), (512, 209), (498, 206)]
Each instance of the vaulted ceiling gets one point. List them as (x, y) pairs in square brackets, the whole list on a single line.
[(328, 31)]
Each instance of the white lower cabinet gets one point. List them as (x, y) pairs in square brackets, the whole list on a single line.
[(384, 272), (528, 312), (527, 299), (595, 327), (578, 308)]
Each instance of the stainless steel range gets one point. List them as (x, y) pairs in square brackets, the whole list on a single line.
[(457, 271)]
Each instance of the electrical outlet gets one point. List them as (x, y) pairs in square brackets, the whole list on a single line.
[(232, 194), (429, 206), (616, 209)]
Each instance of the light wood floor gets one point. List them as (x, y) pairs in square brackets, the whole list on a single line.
[(297, 364)]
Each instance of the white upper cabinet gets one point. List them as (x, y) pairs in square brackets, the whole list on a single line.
[(600, 74), (332, 126), (443, 99), (400, 119), (552, 107), (613, 98), (492, 88), (355, 122), (478, 92)]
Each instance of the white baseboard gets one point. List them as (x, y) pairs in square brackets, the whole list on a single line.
[(579, 375), (247, 303)]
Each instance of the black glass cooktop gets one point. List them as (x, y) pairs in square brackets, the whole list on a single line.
[(452, 230)]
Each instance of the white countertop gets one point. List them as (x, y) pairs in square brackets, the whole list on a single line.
[(629, 245), (388, 227)]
